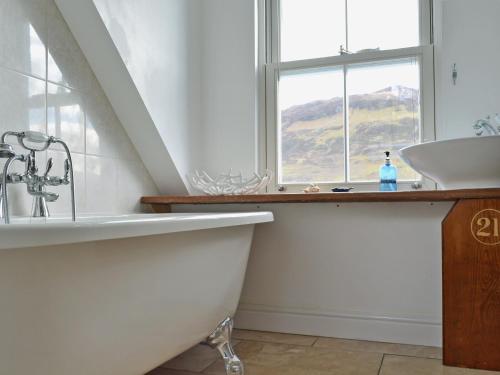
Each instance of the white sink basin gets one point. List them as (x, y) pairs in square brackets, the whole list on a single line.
[(462, 163)]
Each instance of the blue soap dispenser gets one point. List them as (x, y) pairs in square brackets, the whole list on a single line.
[(388, 175)]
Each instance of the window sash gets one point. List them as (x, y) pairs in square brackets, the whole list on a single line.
[(270, 79), (270, 11), (427, 133)]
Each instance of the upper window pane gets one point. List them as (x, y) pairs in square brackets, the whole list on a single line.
[(384, 24), (311, 131), (311, 28), (318, 28)]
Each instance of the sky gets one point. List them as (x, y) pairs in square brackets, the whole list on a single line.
[(303, 88), (317, 28)]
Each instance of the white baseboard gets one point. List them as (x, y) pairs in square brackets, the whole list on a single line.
[(384, 329)]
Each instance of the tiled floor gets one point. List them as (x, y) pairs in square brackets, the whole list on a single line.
[(266, 353)]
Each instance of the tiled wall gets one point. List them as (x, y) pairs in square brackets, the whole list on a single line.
[(47, 85)]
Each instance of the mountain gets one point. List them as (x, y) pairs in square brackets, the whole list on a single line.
[(312, 146)]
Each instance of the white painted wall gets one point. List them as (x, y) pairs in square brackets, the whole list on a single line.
[(113, 74), (369, 271), (358, 271), (229, 86), (466, 33), (158, 41), (192, 67)]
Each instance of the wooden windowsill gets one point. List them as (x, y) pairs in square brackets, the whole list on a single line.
[(401, 196)]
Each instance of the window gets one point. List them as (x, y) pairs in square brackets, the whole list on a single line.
[(346, 80)]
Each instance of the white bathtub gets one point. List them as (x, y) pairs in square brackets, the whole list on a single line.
[(117, 295)]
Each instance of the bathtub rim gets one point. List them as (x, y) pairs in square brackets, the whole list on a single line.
[(89, 228)]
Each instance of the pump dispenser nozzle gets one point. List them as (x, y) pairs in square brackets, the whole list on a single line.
[(387, 157)]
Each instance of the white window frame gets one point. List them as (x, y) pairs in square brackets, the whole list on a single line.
[(269, 51)]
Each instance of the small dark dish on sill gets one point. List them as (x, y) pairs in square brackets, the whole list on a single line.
[(342, 189)]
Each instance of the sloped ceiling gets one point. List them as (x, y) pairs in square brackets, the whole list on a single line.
[(160, 139)]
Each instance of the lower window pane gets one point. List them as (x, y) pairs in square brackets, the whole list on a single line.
[(311, 131), (384, 114)]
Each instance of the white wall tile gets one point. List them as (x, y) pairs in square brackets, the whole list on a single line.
[(23, 31), (22, 102), (101, 192), (133, 182), (68, 104), (65, 116), (104, 134), (22, 107), (66, 63)]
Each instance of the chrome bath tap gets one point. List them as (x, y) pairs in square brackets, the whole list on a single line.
[(36, 184), (485, 124)]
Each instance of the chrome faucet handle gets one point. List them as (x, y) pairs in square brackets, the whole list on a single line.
[(66, 170), (50, 164), (57, 181), (34, 142), (50, 197), (34, 137), (15, 178), (28, 164), (31, 168)]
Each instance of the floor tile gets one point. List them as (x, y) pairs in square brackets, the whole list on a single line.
[(196, 359), (279, 359), (167, 371), (279, 338), (399, 365), (379, 347)]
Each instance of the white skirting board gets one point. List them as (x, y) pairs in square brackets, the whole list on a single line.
[(384, 329)]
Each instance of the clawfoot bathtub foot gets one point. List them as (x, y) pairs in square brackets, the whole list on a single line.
[(221, 340)]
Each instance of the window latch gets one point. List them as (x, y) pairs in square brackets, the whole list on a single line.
[(416, 185), (454, 74), (344, 51)]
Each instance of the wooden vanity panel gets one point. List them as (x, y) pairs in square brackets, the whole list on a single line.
[(161, 208), (471, 284)]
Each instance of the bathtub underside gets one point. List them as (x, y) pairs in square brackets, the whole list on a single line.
[(118, 307)]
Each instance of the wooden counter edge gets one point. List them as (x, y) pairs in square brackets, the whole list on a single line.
[(401, 196)]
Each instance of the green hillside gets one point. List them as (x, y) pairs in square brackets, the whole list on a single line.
[(312, 134)]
